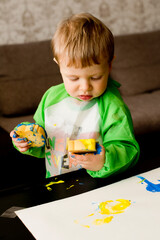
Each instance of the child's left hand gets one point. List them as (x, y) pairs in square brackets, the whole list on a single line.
[(90, 161)]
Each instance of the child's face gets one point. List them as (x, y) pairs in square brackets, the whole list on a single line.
[(85, 83)]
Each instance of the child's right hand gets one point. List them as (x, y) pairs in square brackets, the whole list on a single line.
[(21, 143)]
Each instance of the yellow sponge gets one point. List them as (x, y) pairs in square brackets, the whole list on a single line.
[(33, 132), (81, 145)]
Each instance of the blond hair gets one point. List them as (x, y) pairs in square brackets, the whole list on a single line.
[(84, 40)]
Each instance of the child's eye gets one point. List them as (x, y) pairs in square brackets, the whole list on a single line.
[(96, 77), (73, 78)]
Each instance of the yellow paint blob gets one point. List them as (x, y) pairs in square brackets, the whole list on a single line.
[(51, 183), (109, 207), (86, 226), (102, 221), (142, 180), (90, 215), (81, 145), (70, 187)]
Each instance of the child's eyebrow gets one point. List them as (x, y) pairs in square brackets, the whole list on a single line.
[(97, 73), (72, 76)]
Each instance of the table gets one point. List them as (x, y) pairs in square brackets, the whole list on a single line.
[(37, 193), (31, 195)]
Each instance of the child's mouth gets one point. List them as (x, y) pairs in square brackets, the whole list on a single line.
[(85, 97)]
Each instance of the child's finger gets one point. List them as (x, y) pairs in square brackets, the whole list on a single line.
[(22, 144), (79, 157), (21, 140), (24, 149), (11, 133)]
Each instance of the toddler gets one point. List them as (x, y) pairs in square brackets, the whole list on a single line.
[(86, 105)]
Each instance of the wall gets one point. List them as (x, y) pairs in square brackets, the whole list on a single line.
[(32, 20)]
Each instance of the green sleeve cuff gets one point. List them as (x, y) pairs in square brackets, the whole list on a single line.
[(119, 157)]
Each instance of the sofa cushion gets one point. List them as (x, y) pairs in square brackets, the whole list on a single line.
[(9, 123), (145, 111), (26, 72), (137, 62)]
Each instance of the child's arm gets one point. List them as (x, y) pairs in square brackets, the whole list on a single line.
[(121, 148)]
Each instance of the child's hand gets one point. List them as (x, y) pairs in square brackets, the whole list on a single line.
[(21, 143), (90, 161)]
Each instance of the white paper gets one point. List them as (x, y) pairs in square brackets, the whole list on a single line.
[(72, 218)]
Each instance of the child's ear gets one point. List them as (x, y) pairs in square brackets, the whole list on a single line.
[(55, 60)]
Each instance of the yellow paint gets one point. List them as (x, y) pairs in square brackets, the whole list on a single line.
[(70, 187), (86, 226), (67, 143), (109, 207), (102, 221), (57, 159), (51, 183), (81, 145), (142, 180), (90, 215)]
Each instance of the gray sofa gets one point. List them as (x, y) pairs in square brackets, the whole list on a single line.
[(28, 70), (137, 68)]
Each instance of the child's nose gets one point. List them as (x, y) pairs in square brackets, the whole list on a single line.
[(85, 85)]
